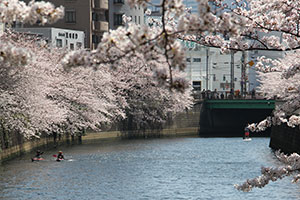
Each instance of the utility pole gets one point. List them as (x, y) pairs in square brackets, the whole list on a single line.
[(207, 57), (232, 73), (243, 74)]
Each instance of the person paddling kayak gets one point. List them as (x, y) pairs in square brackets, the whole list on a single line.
[(60, 156), (38, 156)]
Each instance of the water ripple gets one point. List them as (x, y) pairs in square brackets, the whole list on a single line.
[(182, 168)]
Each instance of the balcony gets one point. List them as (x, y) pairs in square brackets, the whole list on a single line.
[(100, 26), (103, 26), (100, 4)]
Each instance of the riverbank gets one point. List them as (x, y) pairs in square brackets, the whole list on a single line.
[(183, 124), (49, 142)]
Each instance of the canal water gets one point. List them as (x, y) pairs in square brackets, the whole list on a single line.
[(156, 169)]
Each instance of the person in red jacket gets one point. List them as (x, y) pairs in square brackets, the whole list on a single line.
[(247, 134)]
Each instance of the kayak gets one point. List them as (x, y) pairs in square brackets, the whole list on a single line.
[(36, 159), (59, 159), (247, 139)]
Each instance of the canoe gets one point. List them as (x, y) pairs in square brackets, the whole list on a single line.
[(36, 159)]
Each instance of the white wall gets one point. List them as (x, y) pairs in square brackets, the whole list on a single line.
[(218, 66), (70, 38), (137, 14)]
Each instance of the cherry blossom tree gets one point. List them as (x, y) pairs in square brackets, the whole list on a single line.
[(89, 98), (280, 79), (45, 98), (38, 95), (17, 11), (149, 103), (25, 107), (290, 168), (14, 117), (244, 25), (270, 25), (44, 94)]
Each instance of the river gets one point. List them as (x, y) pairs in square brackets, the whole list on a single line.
[(152, 169)]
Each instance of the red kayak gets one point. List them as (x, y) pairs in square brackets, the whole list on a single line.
[(36, 159)]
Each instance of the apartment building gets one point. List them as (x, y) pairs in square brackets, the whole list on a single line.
[(89, 16), (118, 8)]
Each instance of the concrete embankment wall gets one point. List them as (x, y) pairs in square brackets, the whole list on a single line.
[(184, 124), (285, 138)]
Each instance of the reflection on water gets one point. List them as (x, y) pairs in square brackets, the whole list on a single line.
[(181, 168)]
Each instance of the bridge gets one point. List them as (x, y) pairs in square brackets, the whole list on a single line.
[(229, 117)]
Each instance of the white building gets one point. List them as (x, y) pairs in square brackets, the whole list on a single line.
[(209, 69), (57, 37), (118, 8)]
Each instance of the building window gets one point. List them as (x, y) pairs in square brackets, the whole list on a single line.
[(94, 17), (197, 85), (139, 19), (196, 59), (224, 78), (95, 39), (101, 17), (59, 43), (188, 60), (78, 45), (118, 19), (135, 19), (119, 1), (70, 16), (71, 46), (225, 85), (214, 77)]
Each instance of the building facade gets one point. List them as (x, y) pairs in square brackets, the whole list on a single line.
[(118, 8), (209, 69), (89, 16), (57, 37)]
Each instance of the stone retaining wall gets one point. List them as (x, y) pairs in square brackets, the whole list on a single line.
[(48, 142), (285, 138)]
